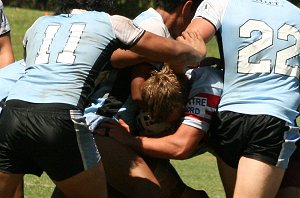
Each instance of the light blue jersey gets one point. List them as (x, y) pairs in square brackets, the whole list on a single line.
[(262, 55), (150, 20), (9, 75), (66, 54)]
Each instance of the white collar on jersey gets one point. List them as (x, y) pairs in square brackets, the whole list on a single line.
[(77, 11)]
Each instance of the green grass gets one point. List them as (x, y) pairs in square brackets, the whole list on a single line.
[(38, 187), (198, 172), (20, 20), (201, 173)]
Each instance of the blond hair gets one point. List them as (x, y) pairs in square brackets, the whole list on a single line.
[(163, 93)]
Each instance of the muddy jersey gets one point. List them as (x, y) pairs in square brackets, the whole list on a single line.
[(65, 54), (262, 55), (204, 97)]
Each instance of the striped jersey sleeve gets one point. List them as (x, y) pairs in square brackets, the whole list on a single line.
[(205, 95)]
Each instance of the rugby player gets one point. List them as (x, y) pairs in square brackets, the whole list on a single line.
[(164, 104), (256, 131), (59, 77)]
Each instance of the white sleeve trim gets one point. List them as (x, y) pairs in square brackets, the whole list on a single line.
[(126, 30), (213, 11)]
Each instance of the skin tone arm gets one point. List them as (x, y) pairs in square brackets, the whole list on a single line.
[(203, 27), (6, 51), (125, 58), (140, 73), (179, 145), (188, 50)]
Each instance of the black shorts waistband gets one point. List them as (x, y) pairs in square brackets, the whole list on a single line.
[(40, 106)]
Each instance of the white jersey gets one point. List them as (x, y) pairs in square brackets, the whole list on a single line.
[(152, 21), (204, 97), (261, 49), (4, 25)]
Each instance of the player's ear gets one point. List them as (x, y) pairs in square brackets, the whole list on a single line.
[(186, 8)]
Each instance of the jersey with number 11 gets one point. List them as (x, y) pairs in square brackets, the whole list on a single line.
[(65, 53)]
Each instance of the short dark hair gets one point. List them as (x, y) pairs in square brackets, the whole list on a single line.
[(65, 6), (171, 5)]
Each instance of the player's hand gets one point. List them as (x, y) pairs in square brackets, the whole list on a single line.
[(124, 125), (117, 130), (194, 39)]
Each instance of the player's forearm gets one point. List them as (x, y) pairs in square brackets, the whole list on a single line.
[(173, 52), (125, 58), (164, 148), (6, 51)]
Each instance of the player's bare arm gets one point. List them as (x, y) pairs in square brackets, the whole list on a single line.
[(6, 51), (167, 49), (125, 58), (179, 145), (202, 27)]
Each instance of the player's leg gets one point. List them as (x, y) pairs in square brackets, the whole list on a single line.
[(66, 151), (171, 183), (224, 132), (8, 184), (290, 186), (125, 170), (240, 137), (266, 157), (228, 177), (257, 179), (89, 183), (12, 158), (20, 190)]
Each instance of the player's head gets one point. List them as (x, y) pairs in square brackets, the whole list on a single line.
[(164, 95), (181, 12), (65, 6), (172, 5)]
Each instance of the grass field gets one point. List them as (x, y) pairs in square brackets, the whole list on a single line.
[(199, 172)]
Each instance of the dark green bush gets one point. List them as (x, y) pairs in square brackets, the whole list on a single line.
[(129, 8)]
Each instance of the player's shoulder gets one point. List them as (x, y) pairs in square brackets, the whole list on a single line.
[(207, 77), (204, 72), (148, 14)]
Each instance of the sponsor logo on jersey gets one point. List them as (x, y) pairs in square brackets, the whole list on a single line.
[(202, 106), (197, 105), (269, 2)]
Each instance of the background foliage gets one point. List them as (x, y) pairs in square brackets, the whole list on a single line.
[(129, 8)]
